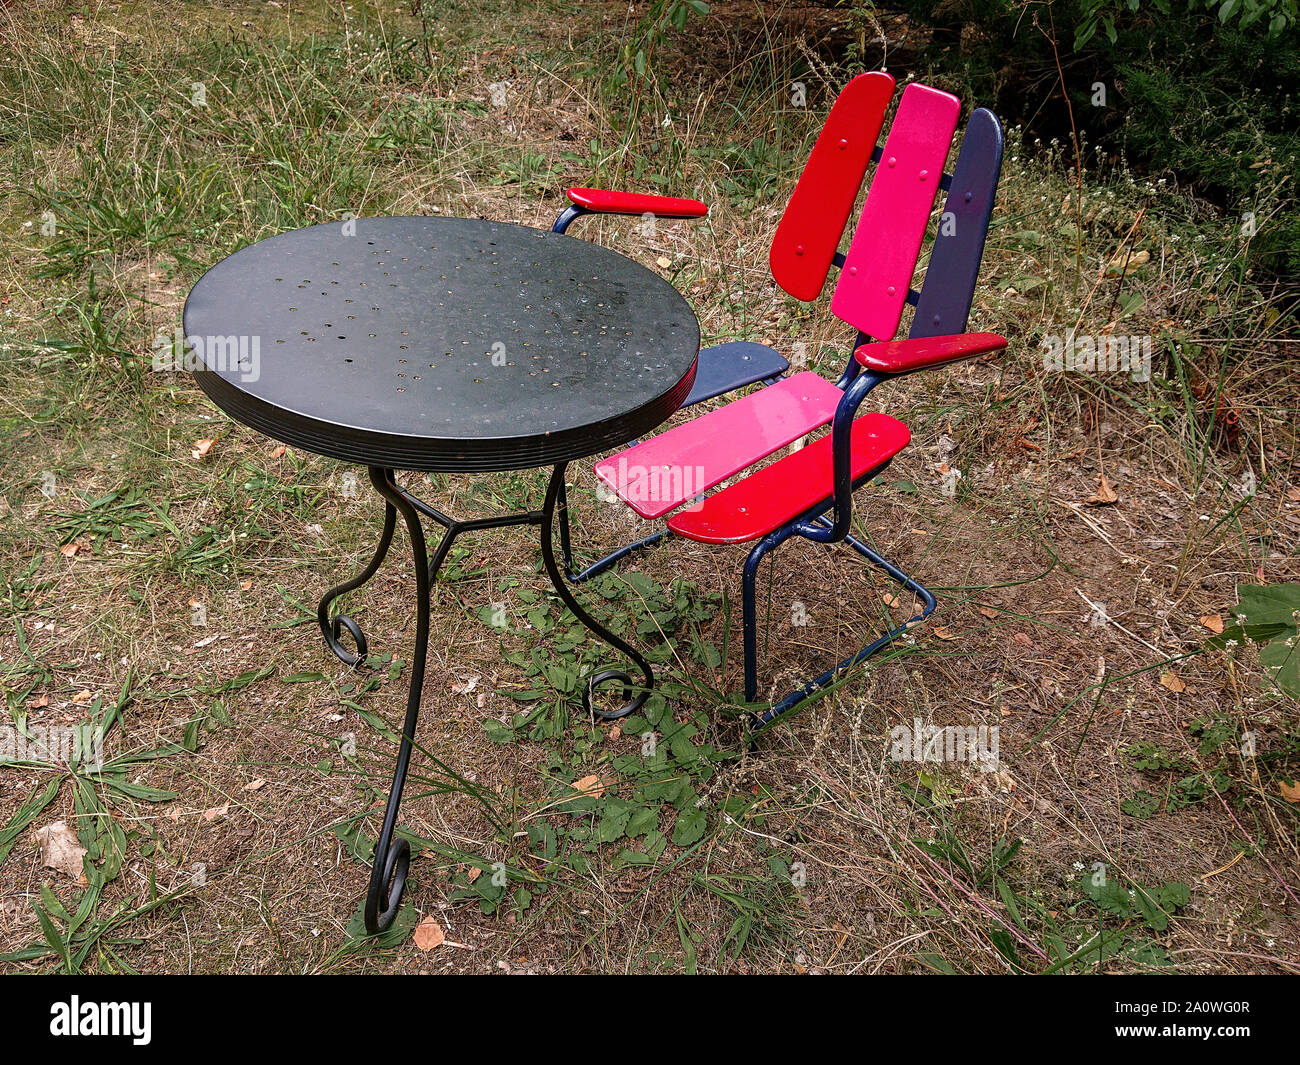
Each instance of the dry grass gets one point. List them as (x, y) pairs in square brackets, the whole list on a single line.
[(255, 537)]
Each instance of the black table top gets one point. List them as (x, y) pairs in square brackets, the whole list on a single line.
[(441, 343)]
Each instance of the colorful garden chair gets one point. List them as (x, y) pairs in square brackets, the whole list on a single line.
[(809, 493)]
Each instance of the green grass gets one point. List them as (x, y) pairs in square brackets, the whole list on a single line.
[(184, 588)]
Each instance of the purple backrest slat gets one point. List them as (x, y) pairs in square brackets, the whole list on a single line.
[(954, 265)]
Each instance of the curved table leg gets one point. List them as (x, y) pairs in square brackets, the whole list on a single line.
[(393, 856), (632, 703), (331, 628)]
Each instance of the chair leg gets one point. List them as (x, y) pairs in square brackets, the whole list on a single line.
[(769, 543), (923, 593), (793, 699)]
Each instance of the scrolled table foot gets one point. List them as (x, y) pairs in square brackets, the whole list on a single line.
[(332, 628), (631, 702), (332, 641), (387, 884)]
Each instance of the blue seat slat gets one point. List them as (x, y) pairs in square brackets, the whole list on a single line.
[(725, 367)]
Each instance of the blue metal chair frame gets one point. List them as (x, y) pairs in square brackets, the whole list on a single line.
[(815, 525), (942, 307)]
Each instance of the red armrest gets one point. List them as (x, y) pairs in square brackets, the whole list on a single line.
[(904, 356), (607, 202)]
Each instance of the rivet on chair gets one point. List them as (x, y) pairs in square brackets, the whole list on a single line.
[(968, 196), (853, 271), (798, 249), (924, 173), (843, 143), (892, 160), (890, 290)]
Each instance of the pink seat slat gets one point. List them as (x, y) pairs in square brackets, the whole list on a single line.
[(778, 493), (662, 473), (882, 257), (810, 230)]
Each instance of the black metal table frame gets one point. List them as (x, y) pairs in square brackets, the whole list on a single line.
[(392, 855)]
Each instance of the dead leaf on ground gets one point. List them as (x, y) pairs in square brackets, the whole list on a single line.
[(429, 934), (988, 612), (69, 550), (39, 702), (892, 600), (944, 634), (1126, 261), (215, 812), (279, 452), (1023, 639), (60, 848), (591, 785), (84, 697), (1106, 493), (664, 262), (1213, 622), (201, 448), (1290, 792), (473, 873), (1172, 682), (254, 785)]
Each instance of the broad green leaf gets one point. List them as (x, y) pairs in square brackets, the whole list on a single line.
[(689, 827)]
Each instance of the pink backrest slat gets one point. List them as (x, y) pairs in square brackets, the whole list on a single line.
[(813, 224), (882, 257)]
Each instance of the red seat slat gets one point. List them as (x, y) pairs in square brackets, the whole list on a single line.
[(813, 223), (882, 258), (660, 474), (776, 494)]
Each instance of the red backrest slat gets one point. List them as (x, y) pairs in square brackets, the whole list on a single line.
[(810, 230), (882, 257)]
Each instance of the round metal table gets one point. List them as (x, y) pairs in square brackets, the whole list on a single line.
[(448, 345)]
